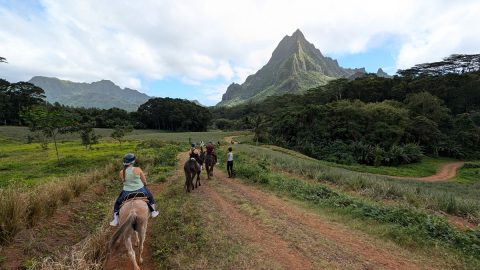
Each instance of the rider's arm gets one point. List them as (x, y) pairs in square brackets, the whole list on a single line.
[(142, 177), (121, 176)]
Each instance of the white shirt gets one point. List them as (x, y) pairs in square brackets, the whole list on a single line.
[(230, 156)]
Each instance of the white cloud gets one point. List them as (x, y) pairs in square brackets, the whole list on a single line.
[(214, 40)]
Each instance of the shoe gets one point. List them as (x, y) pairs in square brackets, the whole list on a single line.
[(154, 213), (114, 222)]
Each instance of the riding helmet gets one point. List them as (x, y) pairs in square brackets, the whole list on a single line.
[(128, 159)]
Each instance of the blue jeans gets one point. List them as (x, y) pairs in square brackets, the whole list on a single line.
[(124, 194)]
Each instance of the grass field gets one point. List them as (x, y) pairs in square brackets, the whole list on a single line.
[(406, 223), (457, 197), (412, 214)]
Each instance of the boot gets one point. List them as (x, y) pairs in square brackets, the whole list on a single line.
[(154, 213), (114, 222)]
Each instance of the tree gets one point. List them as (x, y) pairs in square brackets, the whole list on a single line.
[(51, 122), (427, 105), (174, 114), (455, 63), (120, 131), (259, 128), (3, 60), (87, 135), (18, 96)]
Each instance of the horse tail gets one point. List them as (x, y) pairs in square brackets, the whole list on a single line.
[(127, 227), (187, 177)]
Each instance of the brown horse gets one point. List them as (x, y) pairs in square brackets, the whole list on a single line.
[(209, 164), (134, 215), (191, 168)]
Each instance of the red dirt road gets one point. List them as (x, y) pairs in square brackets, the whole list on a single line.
[(446, 172)]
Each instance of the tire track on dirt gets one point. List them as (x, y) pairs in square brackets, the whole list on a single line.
[(358, 246), (273, 246)]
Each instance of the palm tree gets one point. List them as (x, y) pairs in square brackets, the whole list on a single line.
[(3, 60)]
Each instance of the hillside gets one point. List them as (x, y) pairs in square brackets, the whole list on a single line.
[(295, 66), (103, 94)]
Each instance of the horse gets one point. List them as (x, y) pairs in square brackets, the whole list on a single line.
[(191, 168), (134, 215), (209, 164), (201, 157)]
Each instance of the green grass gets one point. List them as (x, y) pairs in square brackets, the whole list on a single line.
[(22, 163), (451, 197), (406, 225), (189, 234), (29, 164), (426, 167), (21, 133), (469, 173)]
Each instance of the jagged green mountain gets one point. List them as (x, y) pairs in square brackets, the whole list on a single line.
[(103, 94), (295, 66)]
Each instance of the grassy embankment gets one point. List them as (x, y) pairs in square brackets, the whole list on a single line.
[(359, 199)]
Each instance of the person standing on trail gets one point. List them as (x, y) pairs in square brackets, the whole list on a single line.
[(134, 181), (230, 163)]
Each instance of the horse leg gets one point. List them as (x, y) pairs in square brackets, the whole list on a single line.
[(143, 232), (198, 178), (192, 176), (136, 236), (131, 252)]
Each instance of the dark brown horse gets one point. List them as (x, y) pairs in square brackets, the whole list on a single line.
[(209, 164), (191, 169)]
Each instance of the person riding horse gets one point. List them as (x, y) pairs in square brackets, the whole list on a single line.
[(211, 150), (134, 182)]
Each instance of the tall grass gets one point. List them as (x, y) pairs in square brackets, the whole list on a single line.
[(449, 197), (23, 208), (406, 225)]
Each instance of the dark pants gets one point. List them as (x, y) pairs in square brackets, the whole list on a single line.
[(124, 194), (230, 168)]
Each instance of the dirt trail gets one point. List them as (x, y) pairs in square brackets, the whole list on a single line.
[(446, 172), (295, 238)]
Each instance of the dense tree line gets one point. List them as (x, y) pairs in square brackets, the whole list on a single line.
[(174, 114), (432, 108), (17, 99)]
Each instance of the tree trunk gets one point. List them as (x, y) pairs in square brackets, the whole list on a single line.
[(56, 148)]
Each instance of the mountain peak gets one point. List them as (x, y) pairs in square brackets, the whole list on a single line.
[(295, 66), (381, 73), (298, 35)]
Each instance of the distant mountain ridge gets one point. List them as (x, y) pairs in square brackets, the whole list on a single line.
[(295, 66), (103, 94)]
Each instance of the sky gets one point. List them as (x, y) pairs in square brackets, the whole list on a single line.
[(195, 49)]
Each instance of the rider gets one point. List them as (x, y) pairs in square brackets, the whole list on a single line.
[(195, 156), (134, 181), (211, 150), (193, 152)]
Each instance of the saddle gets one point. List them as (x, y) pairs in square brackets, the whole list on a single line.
[(135, 196)]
